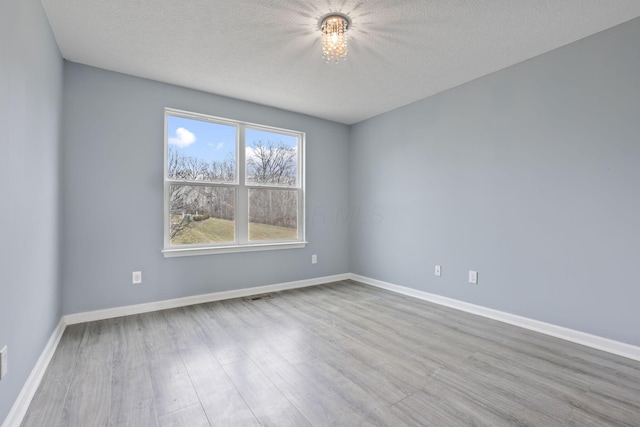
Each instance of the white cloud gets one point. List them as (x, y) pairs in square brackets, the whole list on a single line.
[(220, 145), (183, 138), (250, 153)]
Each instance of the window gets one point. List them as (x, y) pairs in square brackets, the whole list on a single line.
[(231, 186)]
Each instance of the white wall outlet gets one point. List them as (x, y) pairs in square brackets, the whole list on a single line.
[(473, 277), (3, 362), (136, 277), (438, 271), (314, 259)]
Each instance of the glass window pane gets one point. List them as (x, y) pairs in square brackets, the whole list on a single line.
[(273, 214), (200, 151), (271, 158), (201, 214)]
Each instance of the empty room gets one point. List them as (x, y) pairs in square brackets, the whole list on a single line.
[(289, 213)]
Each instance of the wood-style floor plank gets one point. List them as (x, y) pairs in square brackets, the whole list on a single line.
[(192, 416), (268, 404), (48, 402), (89, 397), (132, 397), (340, 354)]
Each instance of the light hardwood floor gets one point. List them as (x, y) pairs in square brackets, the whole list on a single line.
[(337, 354)]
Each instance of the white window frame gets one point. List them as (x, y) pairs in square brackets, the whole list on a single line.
[(241, 214)]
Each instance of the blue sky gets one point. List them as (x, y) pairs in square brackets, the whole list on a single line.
[(205, 140), (213, 141)]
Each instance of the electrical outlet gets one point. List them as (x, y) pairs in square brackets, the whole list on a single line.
[(136, 278), (3, 362), (438, 271), (314, 259), (473, 277)]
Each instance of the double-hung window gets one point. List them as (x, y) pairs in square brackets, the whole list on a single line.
[(231, 186)]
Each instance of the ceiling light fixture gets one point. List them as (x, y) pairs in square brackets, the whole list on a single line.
[(334, 36)]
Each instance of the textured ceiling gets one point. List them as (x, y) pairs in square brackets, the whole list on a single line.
[(269, 51)]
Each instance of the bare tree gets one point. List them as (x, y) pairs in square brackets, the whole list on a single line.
[(272, 163), (180, 220), (275, 163), (186, 201)]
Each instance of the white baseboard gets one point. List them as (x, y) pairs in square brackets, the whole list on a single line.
[(21, 405), (90, 316), (30, 387), (23, 401), (593, 341)]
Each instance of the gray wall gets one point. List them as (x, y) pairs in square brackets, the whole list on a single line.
[(113, 195), (530, 176), (30, 108)]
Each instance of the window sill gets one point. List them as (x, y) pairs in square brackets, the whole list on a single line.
[(170, 253)]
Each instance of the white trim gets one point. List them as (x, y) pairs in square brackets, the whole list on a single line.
[(109, 313), (593, 341), (21, 405), (242, 192), (200, 250)]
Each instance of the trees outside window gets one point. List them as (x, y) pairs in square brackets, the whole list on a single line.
[(231, 186)]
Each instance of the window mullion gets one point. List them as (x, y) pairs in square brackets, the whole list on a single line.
[(242, 212), (200, 183)]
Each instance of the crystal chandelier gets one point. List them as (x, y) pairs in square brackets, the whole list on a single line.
[(334, 37)]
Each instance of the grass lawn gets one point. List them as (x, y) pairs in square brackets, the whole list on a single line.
[(214, 230)]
